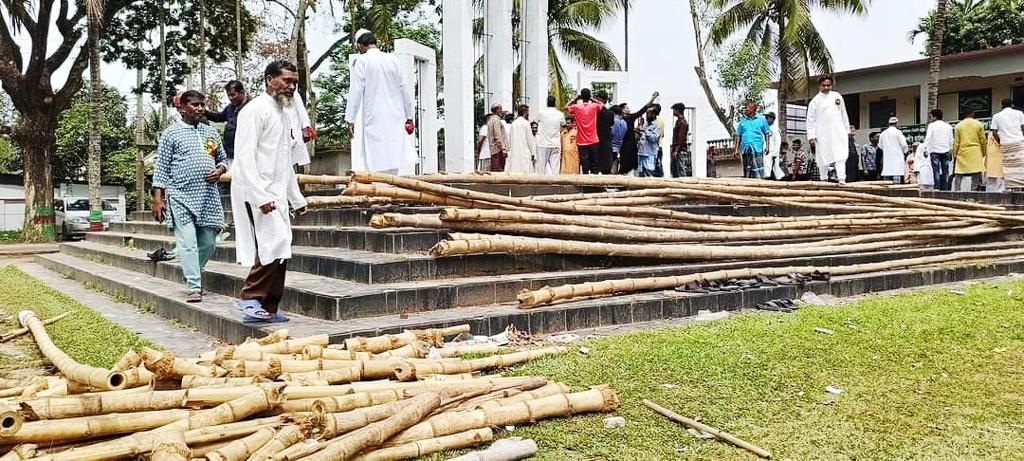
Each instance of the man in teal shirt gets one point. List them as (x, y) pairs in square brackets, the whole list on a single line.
[(751, 132)]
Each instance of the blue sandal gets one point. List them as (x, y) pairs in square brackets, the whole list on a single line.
[(276, 318)]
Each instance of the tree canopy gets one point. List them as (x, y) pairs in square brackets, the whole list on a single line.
[(976, 25)]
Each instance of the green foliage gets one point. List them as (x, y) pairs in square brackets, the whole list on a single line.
[(84, 335), (132, 37), (976, 25), (783, 31), (927, 375), (8, 237), (743, 73), (10, 156), (73, 133)]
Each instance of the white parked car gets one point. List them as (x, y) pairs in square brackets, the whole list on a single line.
[(72, 216)]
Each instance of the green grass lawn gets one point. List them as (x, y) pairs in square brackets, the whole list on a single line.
[(84, 335), (930, 375)]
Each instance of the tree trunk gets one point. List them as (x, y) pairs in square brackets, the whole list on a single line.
[(238, 39), (935, 59), (202, 46), (701, 70), (34, 134), (95, 129), (783, 95), (299, 52)]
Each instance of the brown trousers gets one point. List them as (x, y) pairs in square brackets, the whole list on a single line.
[(265, 283)]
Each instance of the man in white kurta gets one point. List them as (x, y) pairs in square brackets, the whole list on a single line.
[(523, 145), (773, 154), (894, 150), (377, 91), (828, 130), (263, 186)]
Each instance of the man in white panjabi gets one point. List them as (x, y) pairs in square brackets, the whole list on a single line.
[(828, 129), (1008, 131), (894, 150), (262, 188), (377, 90), (773, 154), (523, 146), (549, 138)]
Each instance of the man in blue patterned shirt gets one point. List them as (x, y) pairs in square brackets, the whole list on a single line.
[(190, 161)]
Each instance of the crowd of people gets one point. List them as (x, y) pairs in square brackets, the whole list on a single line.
[(967, 158), (587, 136)]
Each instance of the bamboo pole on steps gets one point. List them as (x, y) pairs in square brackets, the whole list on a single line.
[(316, 201), (546, 295), (96, 377), (521, 202), (402, 194)]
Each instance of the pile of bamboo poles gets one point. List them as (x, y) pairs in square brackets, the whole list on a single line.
[(642, 218), (282, 398)]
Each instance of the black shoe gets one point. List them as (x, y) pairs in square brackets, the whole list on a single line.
[(159, 255)]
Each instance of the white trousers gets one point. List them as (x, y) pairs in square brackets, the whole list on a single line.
[(549, 160), (839, 166)]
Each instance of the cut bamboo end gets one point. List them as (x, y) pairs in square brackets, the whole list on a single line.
[(10, 423)]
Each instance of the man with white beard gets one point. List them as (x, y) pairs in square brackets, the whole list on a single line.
[(378, 88), (828, 129), (262, 188)]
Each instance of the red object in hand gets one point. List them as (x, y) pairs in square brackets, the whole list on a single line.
[(309, 133), (409, 126)]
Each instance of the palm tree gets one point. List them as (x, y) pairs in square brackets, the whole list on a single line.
[(782, 29), (935, 58), (94, 13)]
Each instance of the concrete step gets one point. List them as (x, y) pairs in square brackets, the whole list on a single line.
[(375, 268), (328, 298), (392, 240), (215, 316)]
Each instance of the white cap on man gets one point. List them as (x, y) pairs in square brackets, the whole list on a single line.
[(893, 120), (360, 32)]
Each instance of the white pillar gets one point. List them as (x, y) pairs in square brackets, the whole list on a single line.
[(498, 52), (535, 56), (923, 107), (419, 69), (457, 41)]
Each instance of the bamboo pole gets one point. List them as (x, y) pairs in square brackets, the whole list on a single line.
[(721, 435), (529, 299), (500, 401), (71, 429), (600, 399), (166, 365), (342, 200), (531, 245), (378, 344), (425, 447), (288, 435), (130, 359), (242, 448), (406, 195), (223, 354), (170, 446), (191, 381), (143, 442), (376, 434), (96, 377), (20, 452), (422, 369), (21, 331), (468, 349), (415, 349), (319, 352), (11, 422), (325, 180), (295, 345)]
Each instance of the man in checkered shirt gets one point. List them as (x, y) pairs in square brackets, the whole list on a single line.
[(190, 161)]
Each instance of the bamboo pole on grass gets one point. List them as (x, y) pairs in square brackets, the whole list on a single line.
[(421, 369), (23, 330), (378, 344), (376, 434), (721, 435), (72, 429), (167, 365), (96, 377), (599, 399), (467, 439), (170, 446), (546, 295), (244, 447)]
